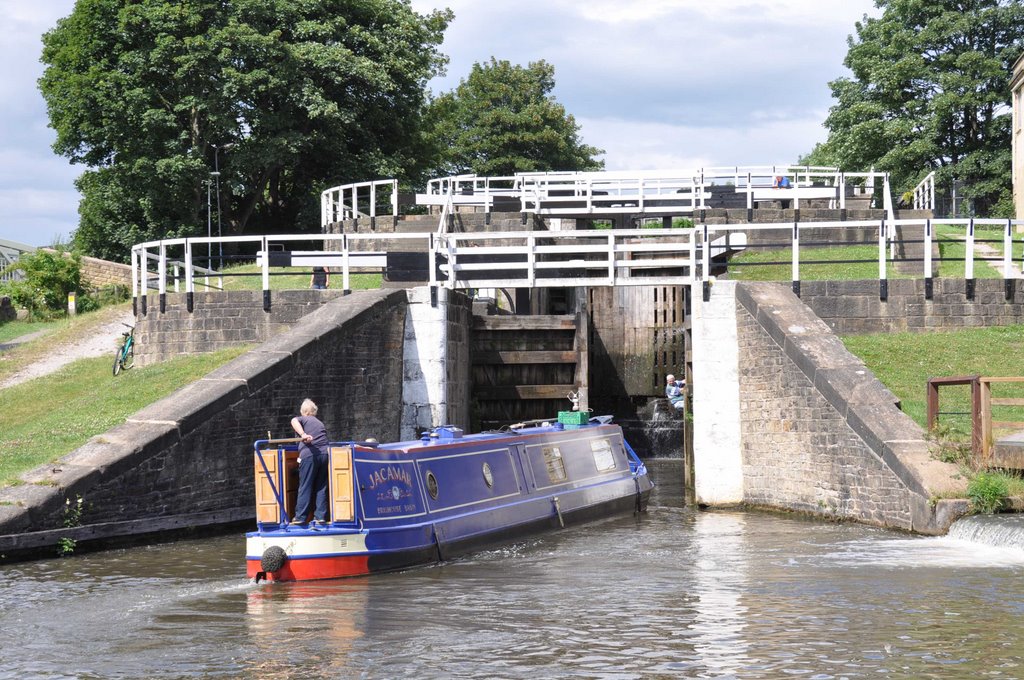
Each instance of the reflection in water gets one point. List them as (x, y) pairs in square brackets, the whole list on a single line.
[(675, 593), (322, 619), (720, 579)]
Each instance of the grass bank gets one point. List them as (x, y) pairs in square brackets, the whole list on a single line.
[(905, 361), (46, 418), (249, 277), (860, 262)]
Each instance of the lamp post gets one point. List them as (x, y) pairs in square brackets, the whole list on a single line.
[(209, 246), (216, 174), (220, 264)]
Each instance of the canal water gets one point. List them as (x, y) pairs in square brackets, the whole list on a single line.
[(675, 593)]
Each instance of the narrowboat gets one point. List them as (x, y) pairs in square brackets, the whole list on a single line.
[(398, 505)]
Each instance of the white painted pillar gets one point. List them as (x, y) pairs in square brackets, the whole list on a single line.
[(717, 454), (424, 362)]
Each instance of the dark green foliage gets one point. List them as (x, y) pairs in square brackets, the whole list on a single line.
[(502, 119), (930, 91), (297, 96)]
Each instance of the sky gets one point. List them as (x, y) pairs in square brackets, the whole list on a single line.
[(656, 84)]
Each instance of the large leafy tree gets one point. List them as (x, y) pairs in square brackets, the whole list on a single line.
[(930, 92), (503, 119), (285, 96)]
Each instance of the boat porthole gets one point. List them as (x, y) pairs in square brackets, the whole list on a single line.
[(432, 485), (488, 477)]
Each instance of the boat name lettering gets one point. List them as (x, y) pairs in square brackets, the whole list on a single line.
[(391, 473)]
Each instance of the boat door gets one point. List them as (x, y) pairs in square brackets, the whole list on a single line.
[(341, 484), (525, 469)]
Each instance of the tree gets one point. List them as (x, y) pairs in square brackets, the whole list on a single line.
[(929, 92), (502, 119), (285, 98)]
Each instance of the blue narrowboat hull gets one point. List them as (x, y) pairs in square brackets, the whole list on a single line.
[(411, 503)]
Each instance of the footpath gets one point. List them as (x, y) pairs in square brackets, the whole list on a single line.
[(100, 337)]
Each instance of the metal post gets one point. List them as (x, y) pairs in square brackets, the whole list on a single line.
[(969, 262), (161, 284), (135, 282), (928, 284), (883, 283), (796, 259), (189, 278)]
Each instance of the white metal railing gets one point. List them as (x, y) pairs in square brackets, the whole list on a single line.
[(361, 199), (924, 193), (653, 192), (613, 257)]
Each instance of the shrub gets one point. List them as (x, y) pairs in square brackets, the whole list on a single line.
[(988, 492), (48, 277)]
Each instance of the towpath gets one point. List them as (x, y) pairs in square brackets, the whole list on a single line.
[(97, 337)]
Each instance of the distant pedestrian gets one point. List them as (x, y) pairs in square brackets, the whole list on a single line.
[(321, 279), (674, 391), (314, 461)]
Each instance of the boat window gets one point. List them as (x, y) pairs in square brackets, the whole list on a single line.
[(603, 457), (555, 464), (488, 476)]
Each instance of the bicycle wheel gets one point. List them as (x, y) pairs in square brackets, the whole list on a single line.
[(117, 361), (129, 358)]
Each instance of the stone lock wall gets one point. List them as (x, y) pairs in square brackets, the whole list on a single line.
[(854, 307), (219, 320), (191, 453), (818, 433)]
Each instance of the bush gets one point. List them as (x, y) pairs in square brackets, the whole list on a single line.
[(48, 277), (988, 492)]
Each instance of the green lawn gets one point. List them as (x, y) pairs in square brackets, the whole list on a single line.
[(860, 262), (46, 418), (249, 277), (905, 361), (12, 330)]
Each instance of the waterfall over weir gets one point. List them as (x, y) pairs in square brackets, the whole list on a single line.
[(1003, 531)]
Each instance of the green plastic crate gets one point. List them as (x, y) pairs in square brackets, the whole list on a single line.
[(573, 417)]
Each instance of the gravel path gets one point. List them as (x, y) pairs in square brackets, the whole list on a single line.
[(98, 340)]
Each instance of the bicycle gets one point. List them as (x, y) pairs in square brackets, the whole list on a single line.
[(125, 357)]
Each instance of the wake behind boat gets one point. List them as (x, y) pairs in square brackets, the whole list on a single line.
[(446, 494)]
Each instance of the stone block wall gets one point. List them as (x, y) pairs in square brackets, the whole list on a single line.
[(191, 453), (98, 273), (854, 307), (819, 433), (219, 320)]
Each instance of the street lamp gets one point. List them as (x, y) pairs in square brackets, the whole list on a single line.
[(209, 245), (209, 223), (216, 174)]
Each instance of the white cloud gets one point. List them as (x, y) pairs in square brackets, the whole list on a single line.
[(632, 145)]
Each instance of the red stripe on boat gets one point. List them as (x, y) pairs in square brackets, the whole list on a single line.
[(314, 568)]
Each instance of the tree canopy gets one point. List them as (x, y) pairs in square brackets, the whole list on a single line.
[(930, 91), (285, 97), (503, 119)]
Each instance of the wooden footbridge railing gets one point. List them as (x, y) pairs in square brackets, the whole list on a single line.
[(983, 426)]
